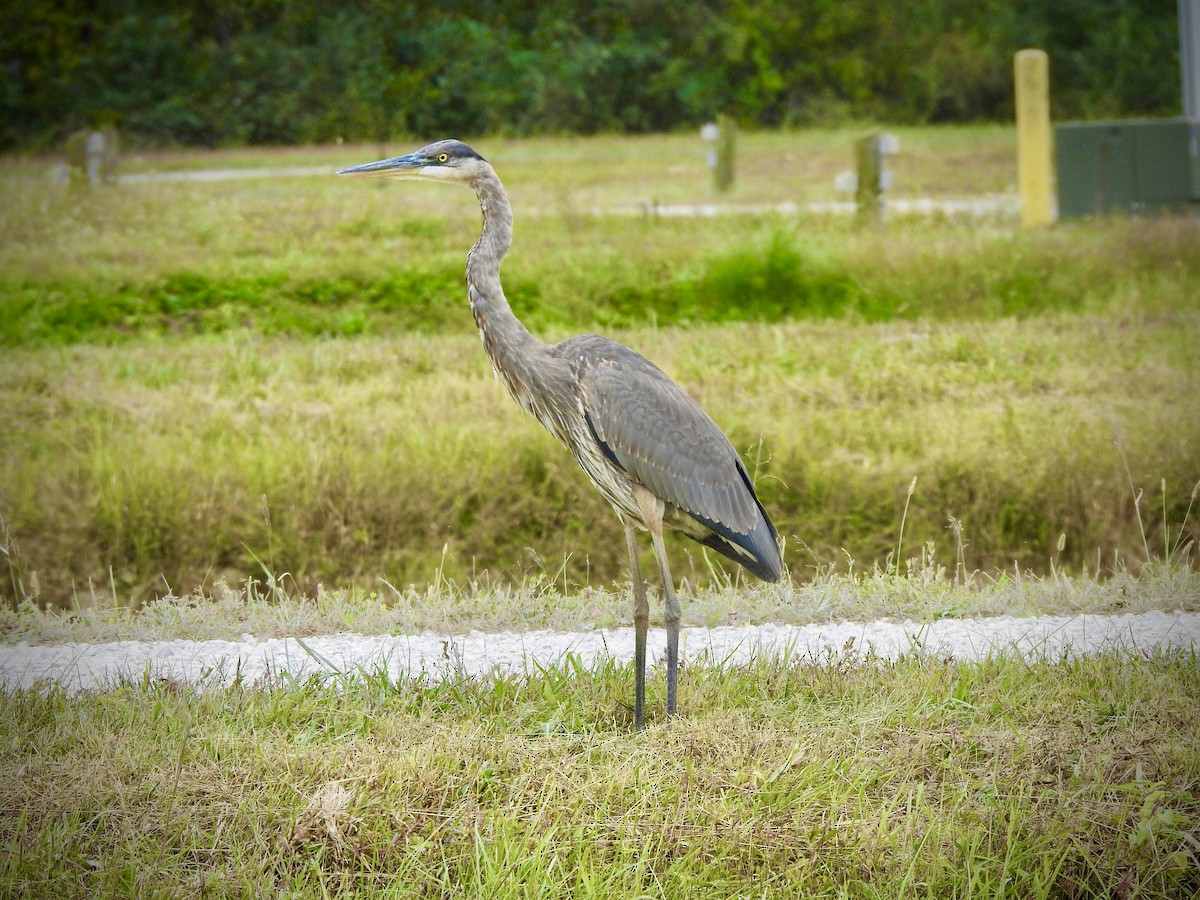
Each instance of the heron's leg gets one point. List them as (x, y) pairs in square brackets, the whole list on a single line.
[(671, 615), (641, 621)]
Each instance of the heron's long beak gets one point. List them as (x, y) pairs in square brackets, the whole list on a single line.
[(396, 166)]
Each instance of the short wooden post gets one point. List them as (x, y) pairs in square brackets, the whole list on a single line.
[(868, 192), (1031, 69), (109, 155), (92, 156), (77, 158)]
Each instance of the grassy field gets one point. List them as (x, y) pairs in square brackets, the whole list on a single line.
[(259, 406), (920, 778), (277, 378), (849, 778)]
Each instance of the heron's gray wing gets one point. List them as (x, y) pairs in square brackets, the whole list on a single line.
[(659, 435), (646, 425)]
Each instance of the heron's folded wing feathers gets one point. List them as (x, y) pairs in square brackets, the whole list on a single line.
[(664, 440)]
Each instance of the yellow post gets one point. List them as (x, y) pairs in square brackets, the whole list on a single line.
[(1032, 73)]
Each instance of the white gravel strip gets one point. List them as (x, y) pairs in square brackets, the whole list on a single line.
[(84, 666), (979, 207)]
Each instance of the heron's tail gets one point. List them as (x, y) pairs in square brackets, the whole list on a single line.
[(757, 551)]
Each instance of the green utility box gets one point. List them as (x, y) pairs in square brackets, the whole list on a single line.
[(1138, 166)]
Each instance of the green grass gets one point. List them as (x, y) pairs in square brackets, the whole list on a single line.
[(920, 778), (113, 267), (131, 472), (205, 382)]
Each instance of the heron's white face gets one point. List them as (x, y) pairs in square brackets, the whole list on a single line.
[(450, 161)]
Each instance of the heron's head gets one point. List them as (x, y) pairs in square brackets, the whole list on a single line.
[(439, 161)]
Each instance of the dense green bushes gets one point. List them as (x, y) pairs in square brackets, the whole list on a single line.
[(268, 71)]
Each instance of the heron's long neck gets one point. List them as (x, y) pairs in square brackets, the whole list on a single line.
[(513, 350)]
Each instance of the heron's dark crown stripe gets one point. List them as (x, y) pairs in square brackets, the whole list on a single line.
[(451, 146)]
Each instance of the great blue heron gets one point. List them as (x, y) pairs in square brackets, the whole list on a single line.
[(646, 445)]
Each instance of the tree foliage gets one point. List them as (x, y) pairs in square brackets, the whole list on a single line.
[(281, 71)]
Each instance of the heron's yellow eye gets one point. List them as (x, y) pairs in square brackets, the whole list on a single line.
[(442, 157)]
